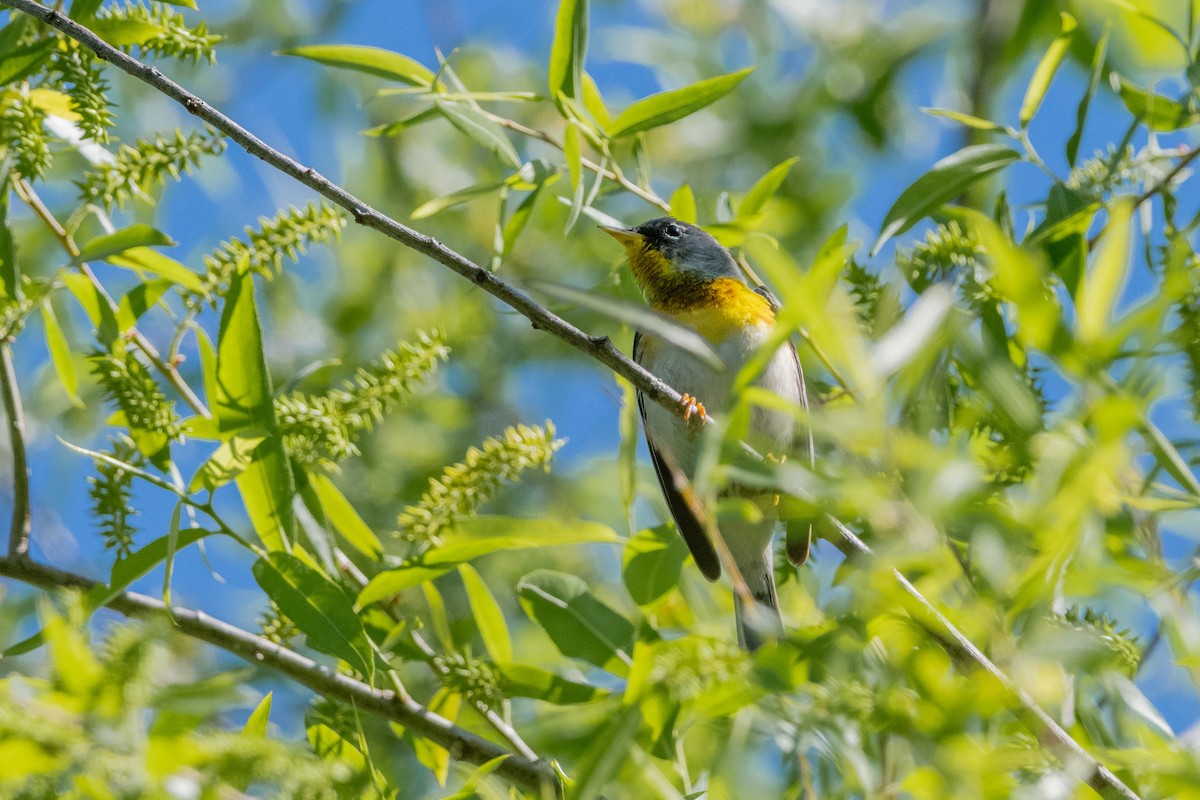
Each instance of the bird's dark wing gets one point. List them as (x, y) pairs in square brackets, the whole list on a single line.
[(689, 524), (799, 532)]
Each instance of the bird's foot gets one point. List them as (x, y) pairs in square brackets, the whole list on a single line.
[(692, 407)]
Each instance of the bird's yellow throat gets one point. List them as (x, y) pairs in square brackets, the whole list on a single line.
[(716, 308)]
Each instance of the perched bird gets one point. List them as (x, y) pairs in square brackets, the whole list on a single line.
[(686, 274)]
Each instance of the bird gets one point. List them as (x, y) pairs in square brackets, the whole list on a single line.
[(686, 274)]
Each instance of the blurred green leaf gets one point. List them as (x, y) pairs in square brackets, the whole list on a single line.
[(140, 299), (683, 204), (244, 401), (580, 624), (573, 153), (344, 518), (9, 282), (321, 609), (256, 723), (766, 187), (143, 260), (60, 355), (527, 680), (439, 204), (137, 235), (371, 60), (969, 120), (1101, 286), (1085, 102), (480, 129), (172, 549), (1156, 111), (569, 49), (1044, 74), (949, 178), (489, 617), (667, 107), (643, 318), (651, 563)]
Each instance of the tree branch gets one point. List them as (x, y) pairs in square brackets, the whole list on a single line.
[(18, 534), (463, 745), (598, 347), (30, 197), (1076, 760)]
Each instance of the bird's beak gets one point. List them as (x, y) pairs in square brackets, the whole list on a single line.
[(625, 236)]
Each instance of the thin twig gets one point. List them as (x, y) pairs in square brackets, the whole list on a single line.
[(30, 197), (612, 174), (462, 744), (18, 534), (1077, 760), (598, 347), (1179, 167)]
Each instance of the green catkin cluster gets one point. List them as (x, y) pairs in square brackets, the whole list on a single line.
[(140, 168), (127, 382), (320, 430), (465, 486), (276, 626), (473, 678), (78, 72), (948, 252), (1122, 644), (110, 489), (286, 235), (168, 32), (22, 136)]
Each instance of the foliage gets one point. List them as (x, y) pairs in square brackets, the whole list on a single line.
[(996, 409)]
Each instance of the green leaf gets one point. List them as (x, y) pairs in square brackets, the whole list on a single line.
[(482, 130), (580, 624), (371, 60), (172, 548), (256, 723), (138, 300), (970, 121), (1085, 102), (319, 607), (1102, 284), (1044, 74), (404, 123), (949, 178), (228, 461), (489, 618), (111, 244), (569, 49), (593, 101), (143, 259), (1156, 111), (21, 62), (244, 401), (60, 355), (526, 680), (607, 753), (756, 199), (652, 562), (10, 284), (573, 152), (344, 518), (518, 220), (94, 304), (667, 107), (683, 204), (439, 204), (641, 317), (478, 536)]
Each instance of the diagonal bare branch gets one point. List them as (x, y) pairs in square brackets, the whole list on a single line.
[(18, 535), (598, 347), (462, 744)]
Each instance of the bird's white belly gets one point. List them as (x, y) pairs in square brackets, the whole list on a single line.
[(770, 431)]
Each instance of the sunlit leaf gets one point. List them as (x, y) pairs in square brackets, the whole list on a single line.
[(145, 260), (228, 461), (1044, 74), (479, 128), (651, 563), (527, 680), (1158, 112), (1085, 102), (319, 607), (344, 518), (667, 107), (683, 204), (118, 242), (969, 120), (489, 618), (371, 60), (569, 49), (580, 624), (244, 401), (949, 178), (1101, 286), (766, 187), (60, 355)]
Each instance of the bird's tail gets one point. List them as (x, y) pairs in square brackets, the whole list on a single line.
[(758, 619)]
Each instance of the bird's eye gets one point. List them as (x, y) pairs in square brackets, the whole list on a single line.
[(673, 231)]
